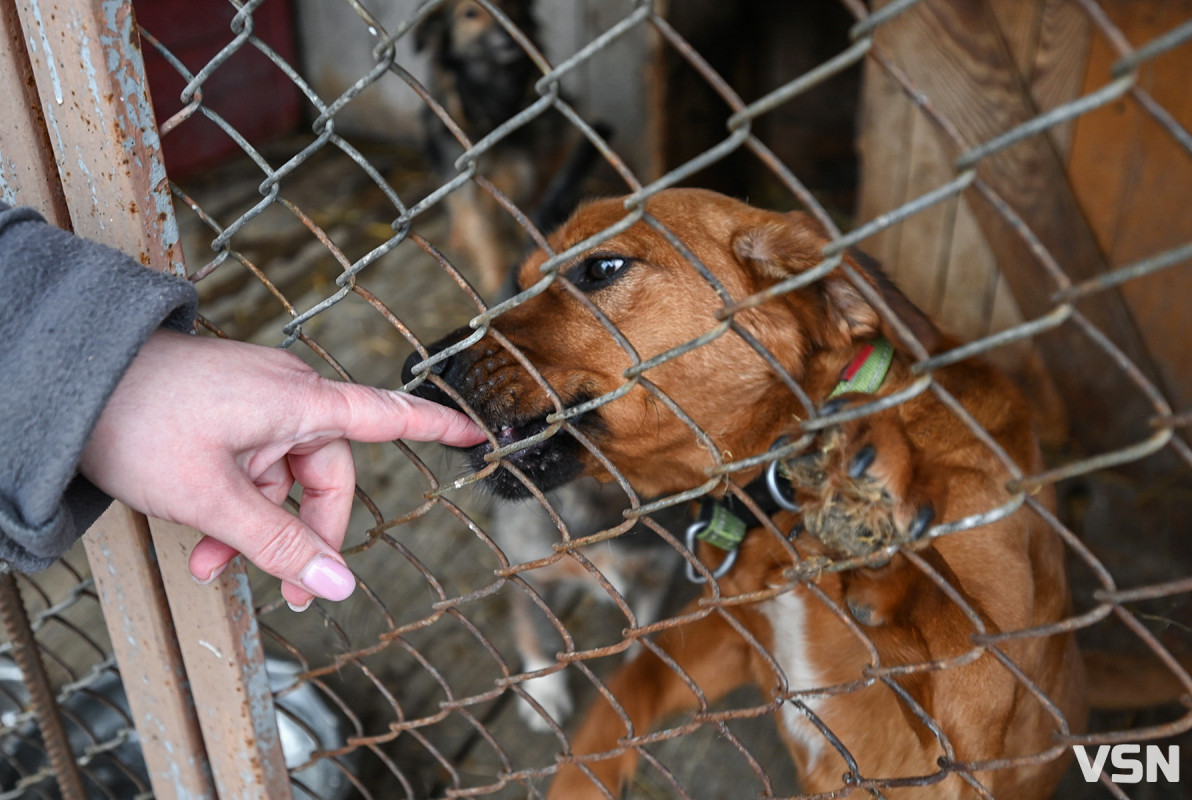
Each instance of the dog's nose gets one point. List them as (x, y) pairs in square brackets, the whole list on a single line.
[(426, 389)]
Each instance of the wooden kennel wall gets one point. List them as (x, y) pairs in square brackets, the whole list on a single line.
[(1116, 184), (1108, 187)]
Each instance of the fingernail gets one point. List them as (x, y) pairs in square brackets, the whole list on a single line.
[(301, 608), (328, 578), (215, 573)]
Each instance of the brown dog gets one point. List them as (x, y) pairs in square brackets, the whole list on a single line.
[(784, 617)]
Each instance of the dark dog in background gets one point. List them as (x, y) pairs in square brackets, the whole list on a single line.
[(482, 77)]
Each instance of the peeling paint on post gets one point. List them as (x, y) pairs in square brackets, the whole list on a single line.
[(27, 172), (87, 62)]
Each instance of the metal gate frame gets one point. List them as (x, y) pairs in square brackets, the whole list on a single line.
[(81, 145)]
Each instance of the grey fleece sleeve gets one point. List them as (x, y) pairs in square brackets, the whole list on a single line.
[(73, 314)]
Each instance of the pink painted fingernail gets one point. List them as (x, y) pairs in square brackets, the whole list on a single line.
[(328, 578), (215, 573), (301, 608)]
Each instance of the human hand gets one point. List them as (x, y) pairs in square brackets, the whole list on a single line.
[(213, 433)]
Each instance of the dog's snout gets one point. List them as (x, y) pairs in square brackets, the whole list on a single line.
[(427, 389), (407, 369)]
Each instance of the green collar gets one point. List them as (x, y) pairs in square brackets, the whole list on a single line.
[(868, 369)]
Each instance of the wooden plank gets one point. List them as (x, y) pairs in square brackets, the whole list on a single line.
[(1105, 146), (1060, 63), (957, 280), (925, 242), (1021, 23), (927, 254), (1049, 42), (954, 53), (1135, 183), (884, 127), (970, 280), (1156, 217), (146, 647), (101, 125)]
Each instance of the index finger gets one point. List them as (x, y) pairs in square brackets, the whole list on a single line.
[(368, 414)]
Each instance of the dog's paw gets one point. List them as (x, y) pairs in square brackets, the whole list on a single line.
[(857, 491), (551, 693)]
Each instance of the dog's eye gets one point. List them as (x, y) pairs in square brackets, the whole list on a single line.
[(597, 270), (604, 267)]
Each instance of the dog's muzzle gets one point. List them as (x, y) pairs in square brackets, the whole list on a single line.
[(427, 389), (470, 373)]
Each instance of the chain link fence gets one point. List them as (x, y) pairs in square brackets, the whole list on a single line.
[(53, 647), (344, 248)]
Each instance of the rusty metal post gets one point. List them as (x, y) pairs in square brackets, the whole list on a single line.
[(221, 645), (126, 576), (146, 645), (91, 94)]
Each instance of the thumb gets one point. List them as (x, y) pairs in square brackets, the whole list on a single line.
[(369, 414)]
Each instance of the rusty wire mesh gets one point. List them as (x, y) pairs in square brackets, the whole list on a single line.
[(338, 249), (53, 615), (420, 666)]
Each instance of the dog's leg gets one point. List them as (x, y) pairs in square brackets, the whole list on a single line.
[(860, 493), (711, 653), (879, 481), (474, 234), (549, 691)]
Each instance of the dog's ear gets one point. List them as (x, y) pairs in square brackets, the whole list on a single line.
[(910, 315), (520, 11), (792, 243), (431, 31)]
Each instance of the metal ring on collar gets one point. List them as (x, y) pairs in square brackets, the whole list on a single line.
[(693, 532), (776, 491)]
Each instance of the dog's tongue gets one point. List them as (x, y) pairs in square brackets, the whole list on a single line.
[(508, 434)]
